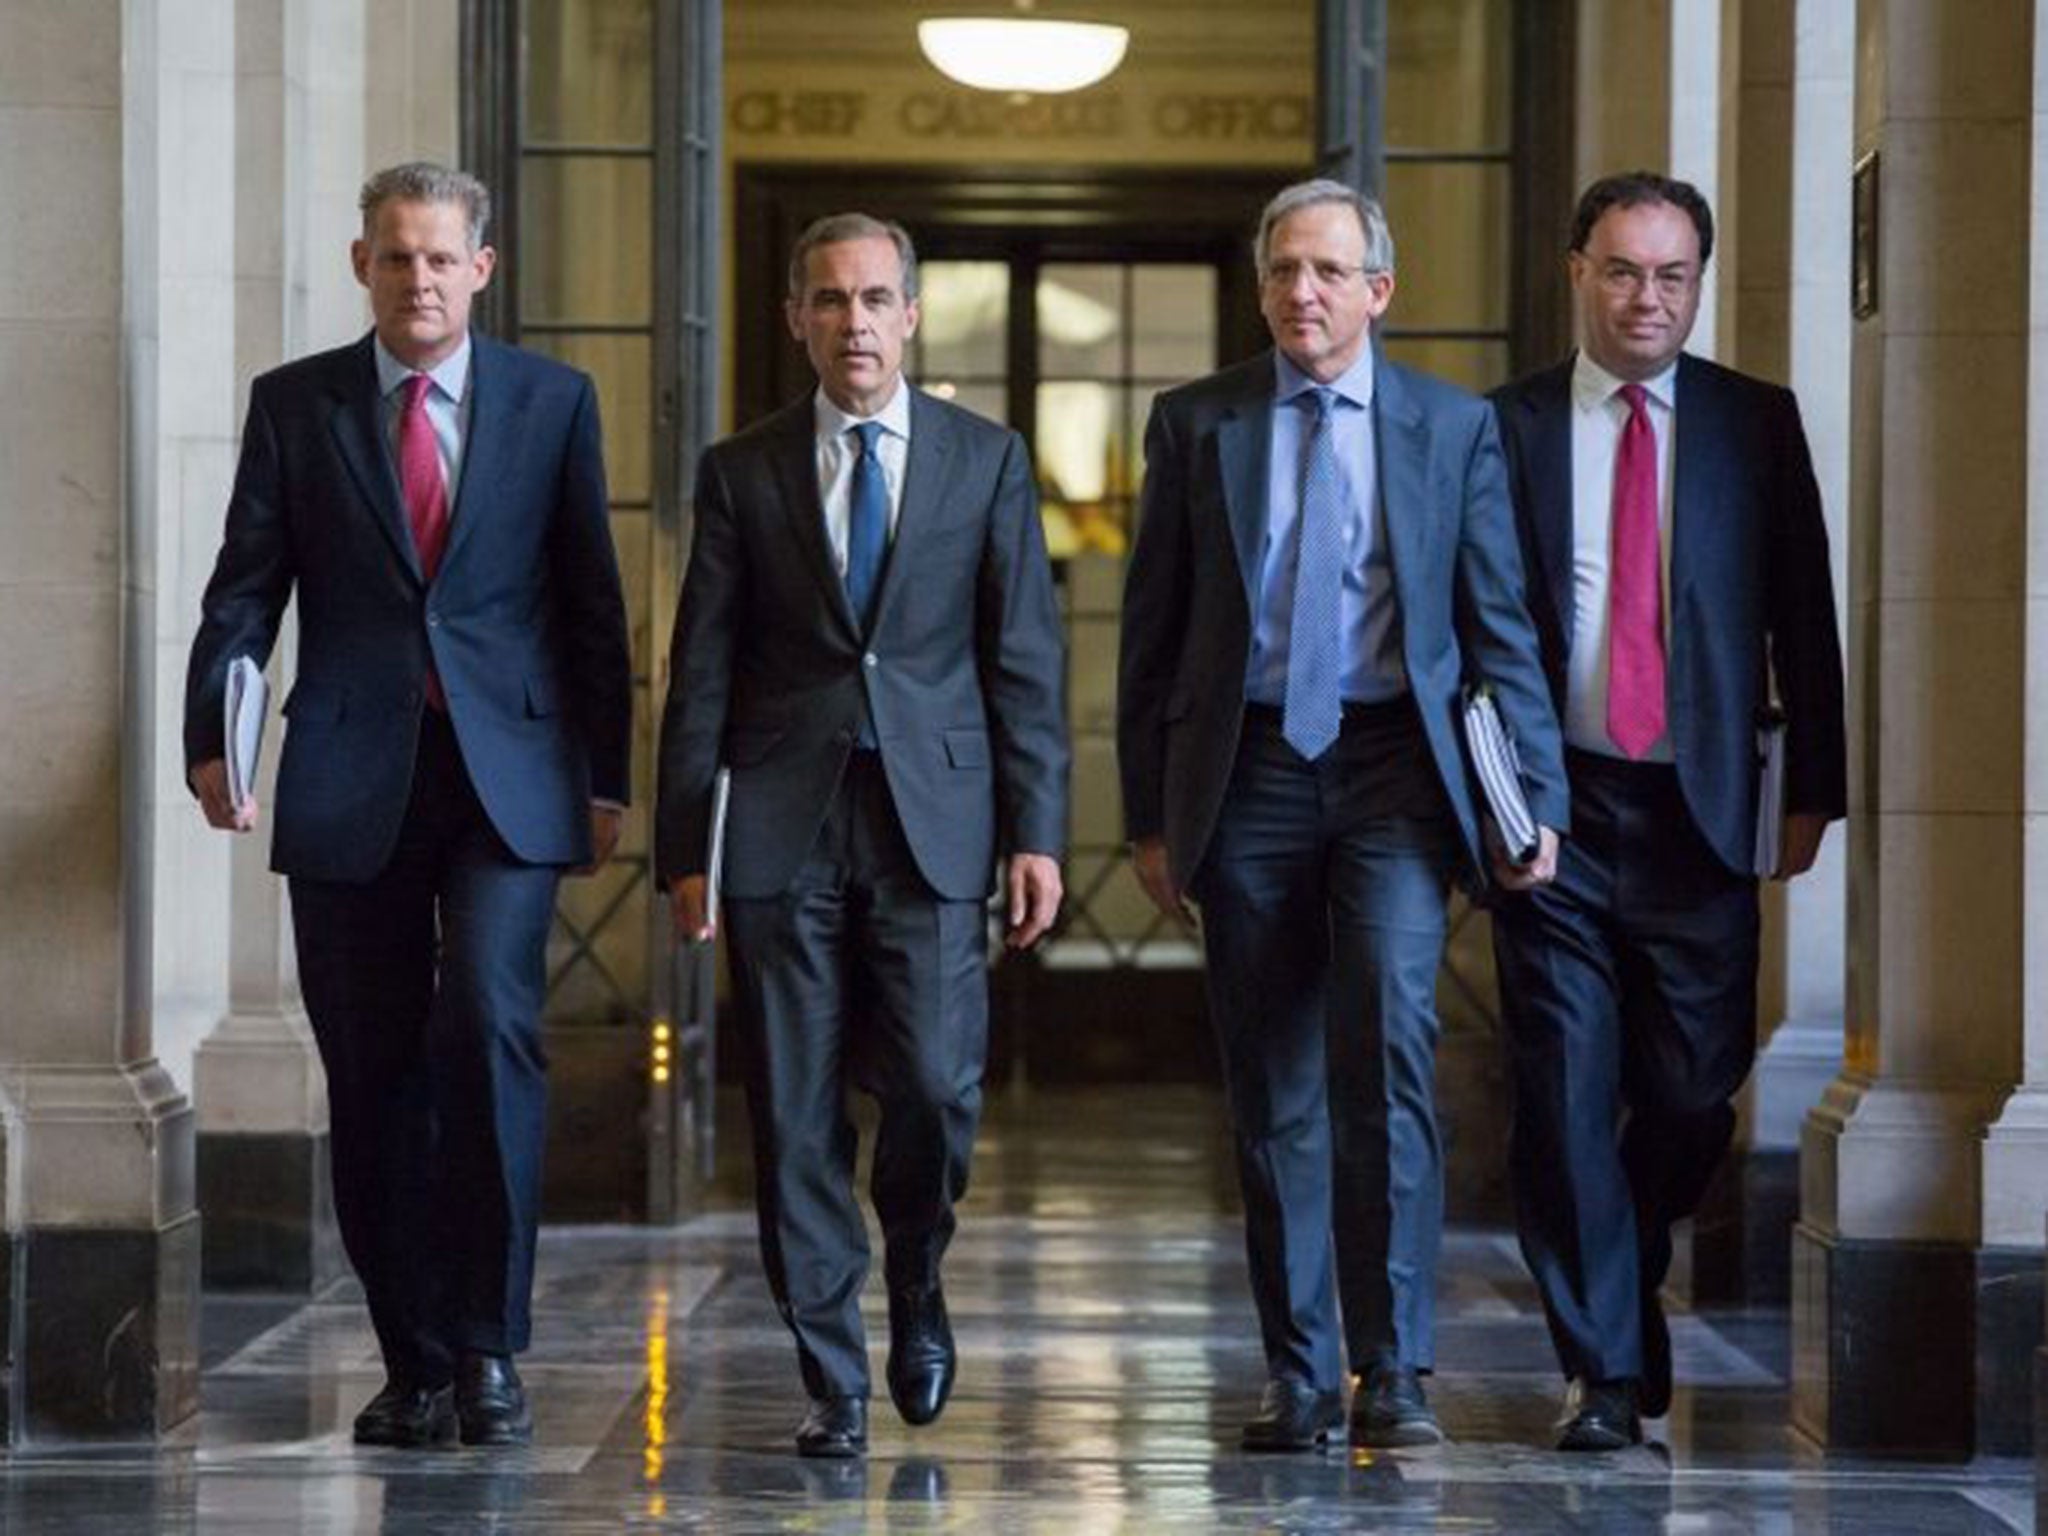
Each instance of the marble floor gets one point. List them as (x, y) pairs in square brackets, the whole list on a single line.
[(1108, 1353)]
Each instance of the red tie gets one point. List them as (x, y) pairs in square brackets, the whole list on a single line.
[(1635, 597), (426, 494)]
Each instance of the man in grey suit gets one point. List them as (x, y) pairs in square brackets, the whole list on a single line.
[(868, 639), (1326, 558)]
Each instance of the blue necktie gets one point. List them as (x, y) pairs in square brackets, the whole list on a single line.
[(1313, 708), (867, 525)]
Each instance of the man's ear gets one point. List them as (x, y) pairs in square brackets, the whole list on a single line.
[(359, 258)]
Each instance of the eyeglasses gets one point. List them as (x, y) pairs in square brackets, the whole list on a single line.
[(1324, 274), (1624, 280)]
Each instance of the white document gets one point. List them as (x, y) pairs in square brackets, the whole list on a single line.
[(1770, 792), (1499, 769), (714, 854), (248, 702)]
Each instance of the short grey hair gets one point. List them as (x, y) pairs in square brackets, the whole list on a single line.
[(837, 229), (422, 181), (1372, 219)]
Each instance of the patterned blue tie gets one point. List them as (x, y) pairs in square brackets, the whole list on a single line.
[(867, 525), (1313, 709)]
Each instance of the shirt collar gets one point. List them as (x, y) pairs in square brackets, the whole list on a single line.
[(1594, 386), (895, 416), (450, 375), (1353, 384)]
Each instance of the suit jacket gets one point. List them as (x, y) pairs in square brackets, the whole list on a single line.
[(1188, 599), (960, 673), (1750, 587), (523, 621)]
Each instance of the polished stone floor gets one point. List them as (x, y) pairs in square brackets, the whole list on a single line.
[(1108, 1353)]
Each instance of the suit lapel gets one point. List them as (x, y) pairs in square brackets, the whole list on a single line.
[(1402, 447), (795, 461), (358, 430), (924, 481), (1547, 449), (497, 408), (1244, 445)]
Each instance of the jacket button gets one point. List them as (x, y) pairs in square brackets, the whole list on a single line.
[(433, 621), (871, 661)]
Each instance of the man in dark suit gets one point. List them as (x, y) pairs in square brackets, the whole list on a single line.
[(459, 729), (1326, 557), (867, 637), (1679, 568)]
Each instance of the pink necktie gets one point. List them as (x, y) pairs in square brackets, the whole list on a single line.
[(1635, 598), (426, 494)]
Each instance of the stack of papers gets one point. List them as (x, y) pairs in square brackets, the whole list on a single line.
[(248, 701), (1770, 792), (1499, 769)]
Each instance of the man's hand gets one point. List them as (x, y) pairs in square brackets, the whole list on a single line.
[(1034, 895), (209, 781), (686, 899), (605, 821), (1540, 870), (1155, 874), (1800, 844)]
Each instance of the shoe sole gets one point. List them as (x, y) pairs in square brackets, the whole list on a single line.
[(1587, 1440), (832, 1452), (1397, 1437), (1315, 1442)]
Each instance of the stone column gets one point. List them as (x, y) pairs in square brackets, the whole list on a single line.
[(262, 1100), (1886, 1260), (1791, 326), (100, 1258), (2016, 1145)]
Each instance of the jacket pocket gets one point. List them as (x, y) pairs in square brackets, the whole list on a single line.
[(540, 697), (745, 748), (314, 702), (967, 748)]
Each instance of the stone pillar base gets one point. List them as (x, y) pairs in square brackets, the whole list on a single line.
[(2008, 1321), (269, 1205), (1742, 1232), (101, 1329), (1883, 1341)]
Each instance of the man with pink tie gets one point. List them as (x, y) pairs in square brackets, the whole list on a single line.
[(1679, 581)]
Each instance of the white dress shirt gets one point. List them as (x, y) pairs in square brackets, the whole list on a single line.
[(448, 407), (839, 451), (1598, 416)]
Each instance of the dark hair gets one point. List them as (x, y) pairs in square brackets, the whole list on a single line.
[(1632, 189)]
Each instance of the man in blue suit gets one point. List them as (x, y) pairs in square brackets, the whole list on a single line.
[(1325, 558), (459, 730), (1679, 577)]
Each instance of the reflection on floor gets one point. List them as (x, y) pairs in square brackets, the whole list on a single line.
[(1108, 1354)]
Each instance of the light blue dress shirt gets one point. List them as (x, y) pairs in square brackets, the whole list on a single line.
[(448, 407), (1370, 668)]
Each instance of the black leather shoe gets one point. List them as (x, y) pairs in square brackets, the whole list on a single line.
[(922, 1359), (834, 1427), (1389, 1409), (1656, 1385), (407, 1416), (1292, 1417), (490, 1402), (1600, 1416)]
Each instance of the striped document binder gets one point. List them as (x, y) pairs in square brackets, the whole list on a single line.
[(1499, 769)]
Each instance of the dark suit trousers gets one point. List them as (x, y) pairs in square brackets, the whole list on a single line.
[(1322, 898), (858, 974), (1629, 990), (424, 987)]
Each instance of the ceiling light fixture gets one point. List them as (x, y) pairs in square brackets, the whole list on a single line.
[(1022, 53)]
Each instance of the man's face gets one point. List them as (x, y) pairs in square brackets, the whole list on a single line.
[(1638, 285), (853, 320), (421, 275), (1317, 297)]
